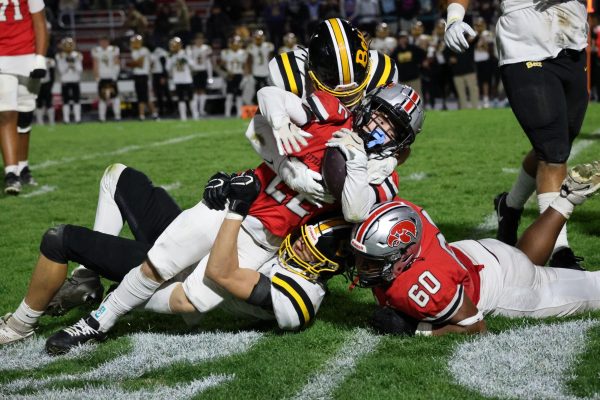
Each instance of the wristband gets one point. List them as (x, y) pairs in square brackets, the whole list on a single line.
[(563, 206), (471, 320), (456, 12), (234, 216), (424, 329)]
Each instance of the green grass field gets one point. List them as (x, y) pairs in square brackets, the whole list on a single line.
[(460, 161)]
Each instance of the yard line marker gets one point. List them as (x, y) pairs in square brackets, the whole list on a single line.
[(322, 384), (41, 191), (524, 363), (171, 186), (510, 170), (128, 149), (417, 176)]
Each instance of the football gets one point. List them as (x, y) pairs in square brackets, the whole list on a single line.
[(333, 170)]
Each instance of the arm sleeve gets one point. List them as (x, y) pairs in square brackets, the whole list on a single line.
[(276, 103), (357, 196), (35, 6)]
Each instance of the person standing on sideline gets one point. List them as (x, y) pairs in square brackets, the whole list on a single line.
[(70, 66), (140, 61), (260, 53), (107, 66), (160, 80), (541, 51), (179, 66), (201, 54)]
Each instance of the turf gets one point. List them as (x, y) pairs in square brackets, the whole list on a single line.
[(459, 162)]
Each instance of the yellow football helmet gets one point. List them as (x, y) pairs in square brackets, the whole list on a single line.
[(324, 242)]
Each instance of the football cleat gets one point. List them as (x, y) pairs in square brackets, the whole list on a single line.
[(508, 220), (84, 331), (565, 258), (582, 181), (26, 177), (12, 184), (14, 332), (83, 287)]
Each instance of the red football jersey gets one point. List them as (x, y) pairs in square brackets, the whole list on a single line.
[(432, 289), (16, 28)]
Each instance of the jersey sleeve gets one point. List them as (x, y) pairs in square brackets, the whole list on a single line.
[(387, 189), (327, 108), (35, 6)]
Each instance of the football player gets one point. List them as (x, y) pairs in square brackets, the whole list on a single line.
[(70, 66), (140, 61), (277, 212), (44, 103), (234, 60), (290, 43), (179, 65), (160, 80), (201, 54), (23, 45), (543, 67), (259, 54), (107, 66), (428, 286)]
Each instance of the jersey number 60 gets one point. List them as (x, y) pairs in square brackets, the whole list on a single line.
[(429, 284)]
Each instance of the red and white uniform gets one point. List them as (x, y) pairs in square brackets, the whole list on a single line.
[(17, 53), (499, 279)]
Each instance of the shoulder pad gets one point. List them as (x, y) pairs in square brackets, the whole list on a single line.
[(383, 70), (287, 71)]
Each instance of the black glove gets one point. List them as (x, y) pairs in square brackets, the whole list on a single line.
[(217, 190), (243, 190), (388, 321)]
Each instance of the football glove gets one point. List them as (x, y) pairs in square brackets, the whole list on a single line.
[(243, 190), (305, 181), (387, 321), (288, 136), (349, 143), (39, 67), (216, 191), (455, 36), (379, 170)]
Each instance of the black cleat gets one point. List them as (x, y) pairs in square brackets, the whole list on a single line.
[(508, 220), (83, 287), (85, 330), (12, 184), (26, 178), (565, 258)]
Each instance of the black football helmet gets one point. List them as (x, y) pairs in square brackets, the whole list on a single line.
[(338, 60)]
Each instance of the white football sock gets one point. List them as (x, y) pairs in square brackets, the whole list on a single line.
[(50, 112), (194, 107), (544, 201), (159, 302), (202, 101), (182, 110), (39, 116), (11, 168), (238, 105), (522, 189), (66, 109), (116, 106), (135, 289), (21, 166), (228, 104), (102, 110), (26, 315), (77, 112)]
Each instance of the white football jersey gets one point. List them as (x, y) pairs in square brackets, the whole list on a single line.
[(261, 54), (180, 68), (144, 54), (69, 66), (531, 31), (108, 61), (158, 55), (201, 57), (384, 45), (234, 60)]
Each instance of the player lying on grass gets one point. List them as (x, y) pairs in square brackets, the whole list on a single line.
[(427, 286)]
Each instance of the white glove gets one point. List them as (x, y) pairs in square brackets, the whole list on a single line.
[(379, 170), (456, 29), (350, 144), (39, 67), (305, 181), (288, 136)]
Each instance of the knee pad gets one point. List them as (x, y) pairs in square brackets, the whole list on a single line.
[(52, 245), (24, 122)]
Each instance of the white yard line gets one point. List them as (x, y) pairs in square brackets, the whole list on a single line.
[(39, 192), (417, 176), (322, 384)]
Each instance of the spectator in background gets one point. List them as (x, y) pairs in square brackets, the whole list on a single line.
[(486, 10), (179, 66), (162, 23), (297, 16), (329, 9), (424, 43), (366, 15), (274, 17), (290, 43), (416, 30), (383, 42), (389, 15), (70, 66), (202, 68), (484, 62), (409, 59), (160, 80), (135, 21), (181, 21), (233, 61), (260, 53), (218, 27), (107, 65), (462, 66), (441, 74), (233, 8), (140, 61)]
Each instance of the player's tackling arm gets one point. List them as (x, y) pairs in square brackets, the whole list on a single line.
[(456, 29), (467, 320)]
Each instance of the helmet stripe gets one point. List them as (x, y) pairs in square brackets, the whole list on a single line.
[(366, 224), (339, 43), (348, 53)]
